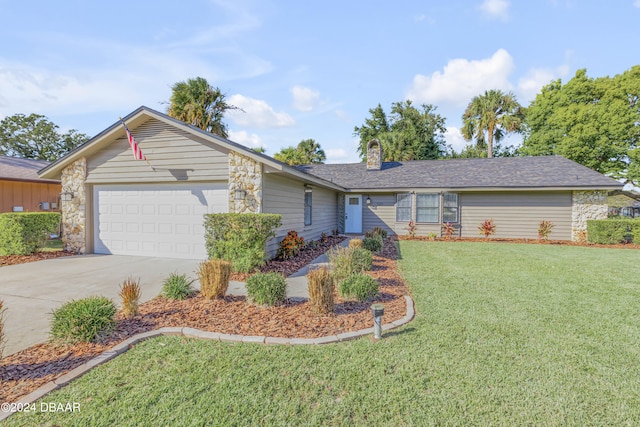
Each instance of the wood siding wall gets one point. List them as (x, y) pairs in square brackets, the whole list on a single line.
[(517, 215), (286, 197), (175, 155), (29, 195)]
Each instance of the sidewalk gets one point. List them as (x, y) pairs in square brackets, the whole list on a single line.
[(297, 286)]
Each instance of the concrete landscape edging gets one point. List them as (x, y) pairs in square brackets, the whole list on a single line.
[(196, 333)]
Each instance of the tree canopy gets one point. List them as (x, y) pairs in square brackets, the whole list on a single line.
[(198, 103), (489, 117), (35, 137), (408, 133), (595, 122), (306, 152)]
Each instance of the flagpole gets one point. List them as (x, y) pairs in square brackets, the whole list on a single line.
[(130, 137)]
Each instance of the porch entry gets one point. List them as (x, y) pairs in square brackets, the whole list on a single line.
[(353, 213)]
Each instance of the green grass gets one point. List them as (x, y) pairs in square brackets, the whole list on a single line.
[(504, 335)]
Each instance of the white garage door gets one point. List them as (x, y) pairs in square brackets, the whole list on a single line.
[(163, 220)]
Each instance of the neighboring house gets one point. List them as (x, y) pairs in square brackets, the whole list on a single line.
[(125, 206), (22, 190)]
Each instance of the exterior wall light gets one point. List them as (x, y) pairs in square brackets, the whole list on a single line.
[(368, 200), (66, 196), (378, 312), (240, 194)]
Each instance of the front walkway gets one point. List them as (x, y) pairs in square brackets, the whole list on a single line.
[(297, 286)]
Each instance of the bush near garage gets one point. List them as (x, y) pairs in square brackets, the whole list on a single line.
[(241, 238), (23, 233), (267, 289)]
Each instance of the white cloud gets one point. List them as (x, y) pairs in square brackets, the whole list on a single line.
[(455, 139), (304, 98), (529, 85), (342, 155), (462, 79), (245, 138), (636, 3), (495, 9), (257, 113), (27, 90)]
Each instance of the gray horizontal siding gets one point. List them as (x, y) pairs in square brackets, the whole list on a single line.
[(382, 213), (286, 197), (175, 156), (517, 215)]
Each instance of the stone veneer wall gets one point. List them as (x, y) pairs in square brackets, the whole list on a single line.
[(245, 174), (73, 212), (586, 205)]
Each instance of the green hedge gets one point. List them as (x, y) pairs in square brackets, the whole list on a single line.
[(24, 233), (612, 231), (240, 238)]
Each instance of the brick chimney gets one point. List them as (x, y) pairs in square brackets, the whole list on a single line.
[(374, 155)]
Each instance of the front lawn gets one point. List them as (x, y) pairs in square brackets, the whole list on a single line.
[(504, 334)]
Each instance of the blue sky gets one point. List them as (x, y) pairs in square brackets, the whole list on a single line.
[(300, 69)]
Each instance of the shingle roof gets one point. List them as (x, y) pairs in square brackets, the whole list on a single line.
[(500, 172), (18, 169)]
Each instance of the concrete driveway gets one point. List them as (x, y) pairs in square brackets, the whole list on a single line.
[(31, 291)]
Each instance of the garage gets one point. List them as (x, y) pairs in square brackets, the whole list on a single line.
[(163, 220)]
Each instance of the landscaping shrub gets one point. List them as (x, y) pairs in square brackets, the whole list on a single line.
[(487, 228), (411, 228), (612, 231), (241, 238), (2, 339), (447, 229), (361, 259), (266, 288), (359, 286), (373, 244), (544, 229), (130, 296), (290, 246), (177, 287), (23, 233), (83, 320), (321, 290), (355, 243), (376, 231), (214, 278), (346, 261), (433, 236)]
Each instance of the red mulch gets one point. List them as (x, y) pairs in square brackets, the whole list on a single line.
[(38, 256), (23, 372)]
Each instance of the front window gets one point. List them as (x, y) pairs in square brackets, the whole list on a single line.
[(427, 207), (403, 207), (450, 207), (307, 207)]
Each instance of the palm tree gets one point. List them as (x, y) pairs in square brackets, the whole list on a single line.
[(311, 151), (199, 104), (494, 113), (306, 152)]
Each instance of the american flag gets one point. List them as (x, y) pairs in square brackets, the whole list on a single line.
[(135, 148)]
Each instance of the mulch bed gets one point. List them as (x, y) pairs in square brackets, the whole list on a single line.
[(38, 256), (23, 372)]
